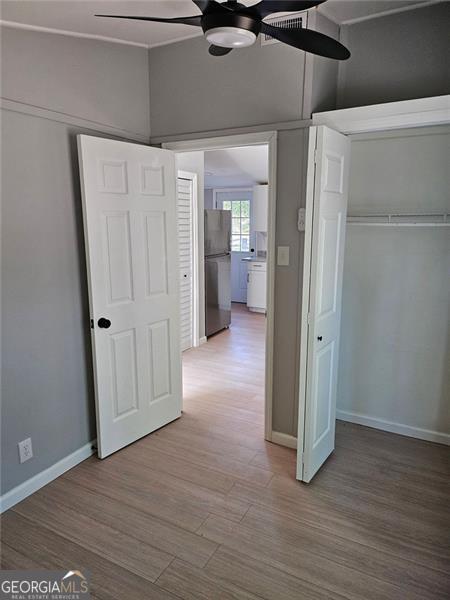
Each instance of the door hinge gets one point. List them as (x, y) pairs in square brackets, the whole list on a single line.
[(92, 323), (315, 156)]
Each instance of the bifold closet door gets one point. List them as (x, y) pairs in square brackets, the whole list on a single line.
[(327, 192), (130, 224), (185, 198)]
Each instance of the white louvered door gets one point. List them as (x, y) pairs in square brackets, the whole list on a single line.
[(185, 198)]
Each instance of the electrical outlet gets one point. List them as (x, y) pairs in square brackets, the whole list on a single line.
[(25, 450)]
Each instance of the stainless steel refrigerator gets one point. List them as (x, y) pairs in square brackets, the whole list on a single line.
[(217, 270)]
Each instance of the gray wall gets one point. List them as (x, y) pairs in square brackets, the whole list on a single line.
[(47, 391), (395, 334), (209, 198), (191, 91), (101, 82), (397, 57), (322, 94), (291, 182)]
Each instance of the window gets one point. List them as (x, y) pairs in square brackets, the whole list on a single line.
[(240, 224)]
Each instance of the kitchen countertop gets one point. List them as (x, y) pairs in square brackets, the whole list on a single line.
[(253, 259)]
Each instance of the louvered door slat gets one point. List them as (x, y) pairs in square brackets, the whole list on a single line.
[(185, 200)]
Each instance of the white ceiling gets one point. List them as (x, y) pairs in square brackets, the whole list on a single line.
[(77, 16), (236, 167)]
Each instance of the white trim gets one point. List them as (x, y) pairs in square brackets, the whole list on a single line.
[(392, 115), (283, 439), (400, 428), (38, 481), (219, 143), (243, 132), (76, 34), (198, 33), (203, 340), (242, 140), (195, 257), (67, 119), (95, 36), (391, 11)]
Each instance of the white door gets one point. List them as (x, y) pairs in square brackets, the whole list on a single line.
[(327, 191), (130, 223), (185, 197)]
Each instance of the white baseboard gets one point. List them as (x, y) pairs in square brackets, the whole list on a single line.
[(283, 439), (33, 484), (203, 340), (376, 423)]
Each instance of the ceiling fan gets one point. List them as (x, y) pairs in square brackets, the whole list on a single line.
[(228, 25)]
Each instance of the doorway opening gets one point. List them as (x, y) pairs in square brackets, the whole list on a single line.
[(226, 231)]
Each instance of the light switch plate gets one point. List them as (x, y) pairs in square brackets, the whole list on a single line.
[(283, 256), (301, 223)]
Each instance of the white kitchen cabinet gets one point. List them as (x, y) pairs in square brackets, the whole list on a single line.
[(256, 286), (260, 208)]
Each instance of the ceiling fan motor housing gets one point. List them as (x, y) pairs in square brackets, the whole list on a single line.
[(231, 30)]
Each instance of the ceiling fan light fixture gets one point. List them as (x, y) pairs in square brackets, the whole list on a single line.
[(230, 37)]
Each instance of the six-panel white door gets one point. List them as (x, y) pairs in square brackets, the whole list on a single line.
[(327, 192), (130, 222)]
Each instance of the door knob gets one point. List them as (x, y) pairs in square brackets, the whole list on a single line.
[(104, 323), (320, 338)]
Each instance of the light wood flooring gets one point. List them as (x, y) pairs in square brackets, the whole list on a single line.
[(205, 509)]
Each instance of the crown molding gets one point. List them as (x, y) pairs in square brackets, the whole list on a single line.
[(321, 9), (93, 36), (76, 34), (392, 11)]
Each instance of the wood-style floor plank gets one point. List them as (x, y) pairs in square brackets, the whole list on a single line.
[(190, 583), (298, 560), (205, 509), (120, 548), (160, 540), (185, 504), (55, 552)]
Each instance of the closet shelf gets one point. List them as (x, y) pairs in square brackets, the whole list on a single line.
[(401, 220)]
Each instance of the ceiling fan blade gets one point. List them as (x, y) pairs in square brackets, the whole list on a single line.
[(201, 4), (197, 20), (209, 7), (308, 40), (219, 51), (267, 7)]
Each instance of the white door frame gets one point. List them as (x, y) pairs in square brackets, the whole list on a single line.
[(422, 112), (195, 257), (234, 141)]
